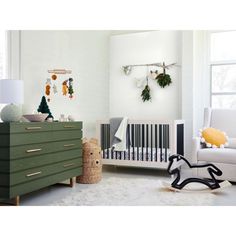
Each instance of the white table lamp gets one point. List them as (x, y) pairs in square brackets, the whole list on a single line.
[(11, 93)]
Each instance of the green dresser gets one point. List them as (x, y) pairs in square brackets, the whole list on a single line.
[(38, 154)]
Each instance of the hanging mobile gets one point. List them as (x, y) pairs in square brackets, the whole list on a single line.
[(70, 89), (54, 77), (64, 88), (54, 87), (48, 88)]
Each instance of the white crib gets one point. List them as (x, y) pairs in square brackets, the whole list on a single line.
[(150, 143)]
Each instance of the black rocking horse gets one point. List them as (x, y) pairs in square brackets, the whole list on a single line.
[(176, 161)]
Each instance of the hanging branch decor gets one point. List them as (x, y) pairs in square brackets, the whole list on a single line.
[(163, 79), (153, 74), (146, 93)]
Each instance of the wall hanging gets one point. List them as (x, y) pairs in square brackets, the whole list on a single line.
[(53, 82), (67, 87), (146, 93), (139, 82), (163, 79), (128, 68)]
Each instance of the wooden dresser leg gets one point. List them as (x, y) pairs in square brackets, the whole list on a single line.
[(72, 182), (17, 200)]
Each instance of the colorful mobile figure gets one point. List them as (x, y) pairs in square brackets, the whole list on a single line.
[(70, 89)]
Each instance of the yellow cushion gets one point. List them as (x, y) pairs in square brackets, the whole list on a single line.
[(213, 137)]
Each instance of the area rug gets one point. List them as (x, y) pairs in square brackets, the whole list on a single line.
[(120, 191)]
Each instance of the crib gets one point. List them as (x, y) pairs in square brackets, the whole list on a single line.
[(149, 143)]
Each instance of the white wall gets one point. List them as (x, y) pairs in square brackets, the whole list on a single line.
[(83, 52), (195, 83), (86, 53), (139, 48)]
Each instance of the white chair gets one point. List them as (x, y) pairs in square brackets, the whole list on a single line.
[(225, 159)]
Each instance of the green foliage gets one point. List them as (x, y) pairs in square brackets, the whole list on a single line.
[(163, 80), (70, 90), (43, 108), (146, 95)]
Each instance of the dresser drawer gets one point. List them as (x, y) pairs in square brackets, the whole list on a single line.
[(66, 135), (68, 144), (30, 150), (67, 125), (40, 183), (39, 172), (22, 151), (30, 127), (40, 160), (30, 138), (23, 139)]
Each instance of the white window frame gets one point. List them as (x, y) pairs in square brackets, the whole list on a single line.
[(5, 63), (14, 54), (218, 63)]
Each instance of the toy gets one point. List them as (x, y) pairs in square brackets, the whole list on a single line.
[(48, 81), (64, 88), (54, 89), (92, 162), (54, 77), (71, 118), (70, 88), (47, 89), (176, 161)]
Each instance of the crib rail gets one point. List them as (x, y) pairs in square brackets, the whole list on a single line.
[(149, 143)]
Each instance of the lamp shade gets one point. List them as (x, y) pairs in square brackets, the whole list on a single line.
[(11, 91)]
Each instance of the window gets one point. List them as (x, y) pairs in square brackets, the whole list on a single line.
[(223, 69), (2, 54)]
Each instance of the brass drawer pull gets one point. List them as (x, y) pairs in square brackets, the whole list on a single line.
[(34, 150), (69, 145), (69, 126), (68, 165), (33, 128), (33, 174)]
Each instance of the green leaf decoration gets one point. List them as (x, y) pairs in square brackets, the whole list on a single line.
[(146, 95), (163, 80)]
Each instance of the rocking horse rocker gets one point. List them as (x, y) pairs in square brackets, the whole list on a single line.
[(175, 163)]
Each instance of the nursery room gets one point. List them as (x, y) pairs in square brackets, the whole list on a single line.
[(117, 118)]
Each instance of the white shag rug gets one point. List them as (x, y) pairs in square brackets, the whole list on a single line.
[(120, 191)]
